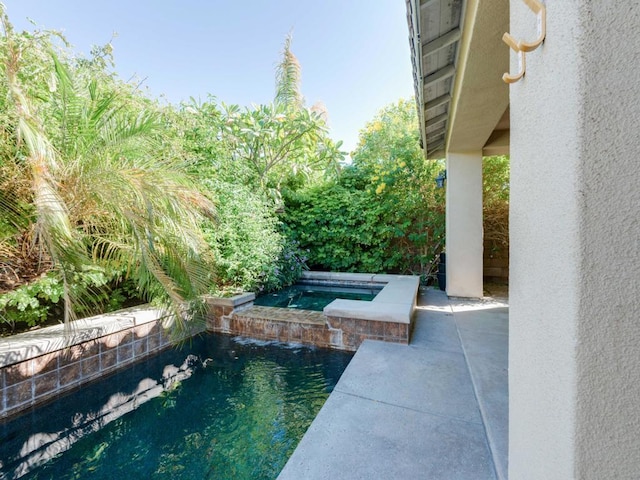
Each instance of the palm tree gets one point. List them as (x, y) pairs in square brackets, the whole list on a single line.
[(282, 140), (101, 193), (289, 80)]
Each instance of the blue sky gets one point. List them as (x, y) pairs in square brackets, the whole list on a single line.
[(354, 53)]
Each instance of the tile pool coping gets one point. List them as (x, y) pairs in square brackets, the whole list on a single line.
[(27, 345), (396, 301)]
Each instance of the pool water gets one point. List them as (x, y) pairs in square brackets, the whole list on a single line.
[(217, 407), (308, 297)]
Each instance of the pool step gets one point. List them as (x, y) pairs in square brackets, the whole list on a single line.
[(343, 325)]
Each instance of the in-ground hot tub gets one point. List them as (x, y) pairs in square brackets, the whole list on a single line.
[(313, 297), (343, 324)]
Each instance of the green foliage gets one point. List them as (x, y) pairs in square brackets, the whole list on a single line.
[(97, 177), (283, 143), (245, 236), (251, 252), (244, 240), (198, 127), (24, 303), (41, 300), (384, 213), (495, 183), (291, 262), (97, 184), (243, 159), (274, 144), (337, 226)]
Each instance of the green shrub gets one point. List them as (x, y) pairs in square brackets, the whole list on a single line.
[(30, 304), (384, 213), (250, 251), (358, 230), (338, 227), (41, 301), (495, 211)]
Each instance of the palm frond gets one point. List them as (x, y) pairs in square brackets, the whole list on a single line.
[(100, 194)]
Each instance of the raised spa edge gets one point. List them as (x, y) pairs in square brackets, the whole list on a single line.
[(343, 324)]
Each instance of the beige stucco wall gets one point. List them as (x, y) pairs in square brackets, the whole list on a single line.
[(464, 224), (472, 118), (574, 367)]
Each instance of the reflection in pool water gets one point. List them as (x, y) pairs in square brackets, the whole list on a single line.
[(217, 407)]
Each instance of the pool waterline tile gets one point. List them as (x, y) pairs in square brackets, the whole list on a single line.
[(40, 365)]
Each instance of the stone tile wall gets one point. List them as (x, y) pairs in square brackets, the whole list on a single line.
[(281, 330), (302, 326), (41, 378), (354, 331), (29, 450)]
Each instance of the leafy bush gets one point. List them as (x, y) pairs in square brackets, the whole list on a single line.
[(384, 213), (495, 179), (338, 226), (251, 253), (31, 303), (93, 180), (286, 270), (40, 301)]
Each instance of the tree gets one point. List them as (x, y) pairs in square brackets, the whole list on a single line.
[(282, 140), (288, 80), (98, 194), (389, 152), (384, 213), (277, 144)]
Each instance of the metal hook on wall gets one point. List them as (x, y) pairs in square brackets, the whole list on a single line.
[(541, 13), (507, 77)]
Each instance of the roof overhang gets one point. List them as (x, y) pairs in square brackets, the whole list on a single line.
[(458, 60)]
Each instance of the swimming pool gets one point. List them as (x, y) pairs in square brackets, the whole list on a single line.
[(217, 407), (308, 297)]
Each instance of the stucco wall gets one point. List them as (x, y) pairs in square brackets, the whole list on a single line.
[(464, 224), (575, 258)]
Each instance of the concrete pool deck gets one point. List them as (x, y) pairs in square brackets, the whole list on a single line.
[(434, 409)]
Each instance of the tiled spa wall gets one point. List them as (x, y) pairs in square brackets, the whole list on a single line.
[(238, 316)]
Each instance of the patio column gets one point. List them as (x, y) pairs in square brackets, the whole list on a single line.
[(574, 323), (464, 224)]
